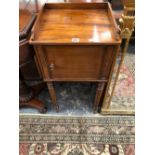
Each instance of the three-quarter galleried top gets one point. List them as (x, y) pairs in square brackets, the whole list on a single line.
[(75, 23)]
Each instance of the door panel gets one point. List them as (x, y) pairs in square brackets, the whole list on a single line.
[(74, 62)]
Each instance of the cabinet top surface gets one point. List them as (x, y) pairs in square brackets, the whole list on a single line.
[(75, 23)]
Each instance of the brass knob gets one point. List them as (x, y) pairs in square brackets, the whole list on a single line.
[(51, 67)]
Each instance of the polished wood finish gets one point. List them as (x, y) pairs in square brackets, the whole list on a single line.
[(71, 49), (61, 65), (61, 24)]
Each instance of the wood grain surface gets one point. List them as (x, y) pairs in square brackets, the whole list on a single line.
[(75, 23)]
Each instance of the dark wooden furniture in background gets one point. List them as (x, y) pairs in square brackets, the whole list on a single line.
[(26, 54), (29, 70), (76, 42)]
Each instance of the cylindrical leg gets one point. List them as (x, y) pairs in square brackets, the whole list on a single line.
[(99, 92), (105, 103), (52, 95)]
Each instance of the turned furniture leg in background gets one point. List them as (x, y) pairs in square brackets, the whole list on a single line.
[(52, 95), (27, 94), (99, 92)]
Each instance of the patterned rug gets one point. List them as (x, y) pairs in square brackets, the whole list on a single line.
[(124, 95), (52, 135)]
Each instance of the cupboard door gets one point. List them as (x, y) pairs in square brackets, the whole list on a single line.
[(78, 62)]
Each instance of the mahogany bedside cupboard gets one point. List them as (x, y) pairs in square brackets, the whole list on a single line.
[(76, 42)]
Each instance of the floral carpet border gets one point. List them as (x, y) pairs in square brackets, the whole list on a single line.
[(106, 129)]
